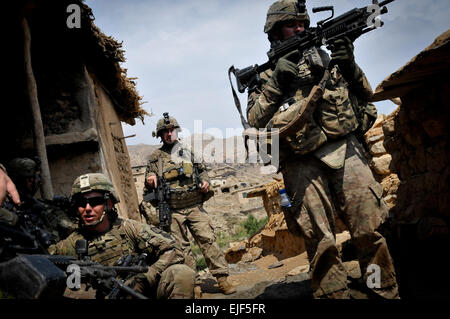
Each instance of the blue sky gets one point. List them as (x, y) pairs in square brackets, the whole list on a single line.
[(180, 51)]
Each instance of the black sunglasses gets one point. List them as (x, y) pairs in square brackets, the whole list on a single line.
[(93, 201)]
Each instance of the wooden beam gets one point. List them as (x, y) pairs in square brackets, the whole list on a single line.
[(38, 128)]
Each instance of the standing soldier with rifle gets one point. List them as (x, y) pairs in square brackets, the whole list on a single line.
[(180, 186), (322, 161), (109, 238)]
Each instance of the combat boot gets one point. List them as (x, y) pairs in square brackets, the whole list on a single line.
[(198, 292), (224, 285)]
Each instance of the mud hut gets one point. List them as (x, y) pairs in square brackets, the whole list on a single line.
[(66, 97), (416, 136)]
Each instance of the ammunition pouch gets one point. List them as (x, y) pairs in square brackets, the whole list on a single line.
[(180, 199), (366, 115), (309, 138), (184, 169), (336, 117)]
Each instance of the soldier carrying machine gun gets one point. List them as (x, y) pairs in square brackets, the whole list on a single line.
[(351, 24)]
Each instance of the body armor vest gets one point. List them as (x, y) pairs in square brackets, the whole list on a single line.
[(333, 118), (178, 171), (108, 248)]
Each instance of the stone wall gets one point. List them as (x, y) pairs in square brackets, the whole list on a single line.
[(379, 159), (274, 238)]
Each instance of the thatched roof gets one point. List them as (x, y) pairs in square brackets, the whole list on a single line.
[(107, 54), (431, 63)]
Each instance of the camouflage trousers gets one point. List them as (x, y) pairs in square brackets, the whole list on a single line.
[(196, 220), (176, 282), (318, 194)]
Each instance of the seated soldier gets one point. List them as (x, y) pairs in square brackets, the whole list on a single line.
[(110, 237)]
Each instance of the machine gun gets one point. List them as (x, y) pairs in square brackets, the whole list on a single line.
[(351, 24), (21, 233), (159, 197), (22, 273), (103, 278), (127, 261)]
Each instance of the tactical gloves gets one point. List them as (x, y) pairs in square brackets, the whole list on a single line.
[(142, 281), (342, 55), (285, 71)]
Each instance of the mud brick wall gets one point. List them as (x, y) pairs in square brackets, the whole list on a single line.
[(379, 159), (417, 138)]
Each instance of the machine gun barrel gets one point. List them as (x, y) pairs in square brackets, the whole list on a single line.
[(352, 24)]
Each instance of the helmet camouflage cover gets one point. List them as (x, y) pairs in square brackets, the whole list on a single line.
[(22, 168), (165, 123), (285, 10), (93, 182)]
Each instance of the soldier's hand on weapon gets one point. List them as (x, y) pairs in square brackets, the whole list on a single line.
[(140, 281), (136, 282), (285, 71), (204, 186), (152, 181), (8, 187), (342, 55)]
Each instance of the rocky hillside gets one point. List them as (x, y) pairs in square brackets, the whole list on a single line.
[(231, 183), (140, 153)]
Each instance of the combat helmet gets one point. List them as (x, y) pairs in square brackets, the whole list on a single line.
[(94, 182), (100, 183), (166, 122), (22, 168), (284, 10)]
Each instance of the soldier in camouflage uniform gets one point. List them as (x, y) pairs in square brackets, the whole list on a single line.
[(323, 165), (110, 237), (177, 164), (24, 172)]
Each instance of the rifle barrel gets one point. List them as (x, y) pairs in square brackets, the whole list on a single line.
[(121, 269), (385, 2), (129, 290)]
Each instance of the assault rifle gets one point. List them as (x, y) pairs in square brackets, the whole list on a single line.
[(351, 24), (160, 196)]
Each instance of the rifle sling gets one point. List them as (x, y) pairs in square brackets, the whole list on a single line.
[(302, 117), (236, 99)]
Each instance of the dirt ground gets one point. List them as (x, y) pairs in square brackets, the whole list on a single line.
[(252, 280)]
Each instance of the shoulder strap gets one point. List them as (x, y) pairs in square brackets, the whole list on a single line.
[(236, 99)]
